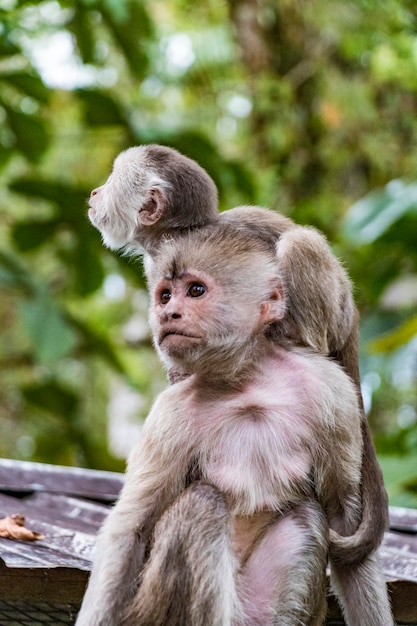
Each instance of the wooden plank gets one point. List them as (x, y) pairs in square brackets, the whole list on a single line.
[(401, 541), (399, 556), (72, 551), (60, 548), (55, 586), (403, 596), (66, 585), (74, 513), (39, 613), (402, 519), (28, 477), (58, 566), (399, 566), (64, 511)]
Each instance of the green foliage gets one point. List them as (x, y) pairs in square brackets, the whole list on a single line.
[(399, 337), (400, 479), (28, 84), (52, 397), (100, 109), (309, 108), (131, 28), (51, 337), (14, 276), (382, 225), (27, 132), (372, 216)]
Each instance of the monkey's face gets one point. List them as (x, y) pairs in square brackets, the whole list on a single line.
[(199, 323), (112, 212), (126, 202), (185, 316), (211, 298)]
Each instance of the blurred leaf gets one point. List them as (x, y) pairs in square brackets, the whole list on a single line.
[(397, 338), (84, 259), (241, 178), (371, 217), (31, 235), (29, 84), (411, 485), (14, 275), (30, 132), (93, 342), (100, 108), (51, 335), (88, 267), (134, 266), (193, 144), (5, 155), (52, 397), (131, 27), (80, 26), (7, 48), (67, 198), (398, 471)]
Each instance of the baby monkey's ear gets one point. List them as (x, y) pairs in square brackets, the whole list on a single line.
[(153, 207), (273, 308)]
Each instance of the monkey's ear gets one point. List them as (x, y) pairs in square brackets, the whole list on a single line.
[(153, 207), (273, 309)]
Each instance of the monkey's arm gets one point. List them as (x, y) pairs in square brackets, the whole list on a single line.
[(155, 475)]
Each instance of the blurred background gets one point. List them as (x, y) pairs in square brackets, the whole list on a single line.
[(305, 106)]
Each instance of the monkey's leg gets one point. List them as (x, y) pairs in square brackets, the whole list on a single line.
[(189, 577), (284, 579), (113, 582), (362, 592)]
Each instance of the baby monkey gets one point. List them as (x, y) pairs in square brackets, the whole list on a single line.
[(154, 193), (244, 465)]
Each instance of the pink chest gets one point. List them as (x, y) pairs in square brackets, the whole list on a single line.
[(256, 446)]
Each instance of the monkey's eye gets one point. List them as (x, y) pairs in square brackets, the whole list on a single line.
[(165, 296), (196, 290)]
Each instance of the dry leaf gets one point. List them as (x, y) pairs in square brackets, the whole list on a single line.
[(13, 527)]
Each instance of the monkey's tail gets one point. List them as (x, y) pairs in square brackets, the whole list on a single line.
[(368, 536), (375, 520)]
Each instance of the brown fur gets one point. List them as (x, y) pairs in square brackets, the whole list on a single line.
[(155, 193), (270, 440)]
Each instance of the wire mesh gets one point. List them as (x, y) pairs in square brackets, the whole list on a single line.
[(30, 614)]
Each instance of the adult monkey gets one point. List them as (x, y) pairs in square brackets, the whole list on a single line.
[(154, 192), (243, 465)]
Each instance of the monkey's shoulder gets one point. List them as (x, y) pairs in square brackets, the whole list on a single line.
[(307, 386), (299, 365), (171, 402)]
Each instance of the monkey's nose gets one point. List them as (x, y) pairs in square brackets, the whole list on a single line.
[(169, 313)]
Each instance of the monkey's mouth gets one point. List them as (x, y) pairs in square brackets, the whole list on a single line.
[(92, 215), (96, 218), (177, 334)]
